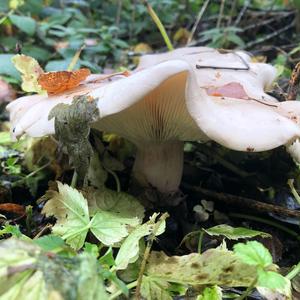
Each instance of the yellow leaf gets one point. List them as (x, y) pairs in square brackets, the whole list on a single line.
[(30, 70)]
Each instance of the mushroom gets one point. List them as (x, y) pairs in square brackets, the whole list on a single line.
[(184, 95)]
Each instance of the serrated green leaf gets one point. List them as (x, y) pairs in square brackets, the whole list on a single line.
[(129, 250), (71, 211), (70, 208), (271, 280), (253, 253), (110, 228), (153, 289), (119, 203), (234, 233), (50, 242)]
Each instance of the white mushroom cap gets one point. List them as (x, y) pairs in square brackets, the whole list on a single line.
[(167, 100)]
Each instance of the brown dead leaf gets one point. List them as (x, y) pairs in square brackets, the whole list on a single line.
[(12, 208)]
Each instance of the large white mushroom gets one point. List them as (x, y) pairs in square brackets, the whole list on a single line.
[(184, 95)]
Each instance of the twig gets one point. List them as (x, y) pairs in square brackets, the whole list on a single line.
[(241, 14), (248, 290), (200, 14), (246, 203), (269, 36), (118, 15), (220, 14), (225, 163), (146, 255), (232, 9), (268, 222), (47, 226), (294, 83)]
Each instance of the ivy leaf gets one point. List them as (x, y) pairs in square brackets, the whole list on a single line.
[(253, 253), (233, 233), (30, 71)]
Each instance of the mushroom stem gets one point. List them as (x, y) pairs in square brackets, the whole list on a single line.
[(160, 165)]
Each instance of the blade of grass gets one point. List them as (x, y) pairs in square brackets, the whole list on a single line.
[(159, 25)]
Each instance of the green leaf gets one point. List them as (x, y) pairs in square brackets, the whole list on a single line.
[(213, 267), (107, 260), (5, 138), (119, 203), (110, 228), (129, 250), (271, 280), (50, 242), (153, 289), (30, 70), (211, 293), (73, 221), (25, 24), (91, 249), (7, 67), (234, 233), (27, 272), (253, 253), (71, 211)]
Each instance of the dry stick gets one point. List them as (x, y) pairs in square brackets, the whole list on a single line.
[(269, 36), (146, 255), (118, 16), (242, 12), (220, 13), (246, 203), (232, 9), (268, 21), (294, 83), (200, 14)]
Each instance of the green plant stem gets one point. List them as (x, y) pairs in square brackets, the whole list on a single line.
[(16, 183), (248, 290), (269, 222), (75, 58), (159, 25), (290, 182), (146, 255), (74, 179), (116, 178), (6, 16), (119, 292), (294, 272), (199, 249)]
